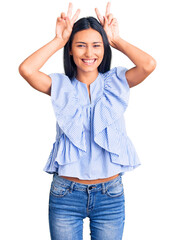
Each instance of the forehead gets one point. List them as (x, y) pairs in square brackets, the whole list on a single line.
[(88, 35)]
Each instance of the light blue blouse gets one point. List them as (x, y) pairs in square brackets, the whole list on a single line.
[(91, 140)]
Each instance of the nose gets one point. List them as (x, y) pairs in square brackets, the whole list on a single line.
[(89, 51)]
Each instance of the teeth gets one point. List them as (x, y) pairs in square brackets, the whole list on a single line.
[(88, 61)]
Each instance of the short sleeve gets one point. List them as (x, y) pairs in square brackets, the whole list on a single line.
[(60, 86), (117, 88), (67, 109), (121, 75)]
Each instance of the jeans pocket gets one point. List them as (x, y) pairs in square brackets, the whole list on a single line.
[(58, 190), (115, 189)]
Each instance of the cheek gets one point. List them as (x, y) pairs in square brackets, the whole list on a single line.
[(100, 53), (76, 60), (77, 56)]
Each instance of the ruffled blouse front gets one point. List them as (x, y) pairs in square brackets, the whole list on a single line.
[(91, 140)]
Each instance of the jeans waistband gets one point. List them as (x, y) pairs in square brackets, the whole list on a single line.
[(98, 186)]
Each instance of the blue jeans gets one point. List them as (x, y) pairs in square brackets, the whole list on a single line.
[(70, 202)]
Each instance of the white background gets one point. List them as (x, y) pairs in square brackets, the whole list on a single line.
[(27, 129)]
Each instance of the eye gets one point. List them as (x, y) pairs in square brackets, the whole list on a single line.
[(80, 45), (96, 45)]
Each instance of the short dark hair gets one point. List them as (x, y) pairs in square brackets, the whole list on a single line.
[(85, 23)]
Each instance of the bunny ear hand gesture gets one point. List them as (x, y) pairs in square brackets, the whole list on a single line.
[(65, 23), (109, 24)]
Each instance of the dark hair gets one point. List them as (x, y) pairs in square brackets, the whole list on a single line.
[(85, 23)]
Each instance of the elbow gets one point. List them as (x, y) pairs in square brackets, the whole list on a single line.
[(20, 69), (23, 71), (149, 68), (153, 64)]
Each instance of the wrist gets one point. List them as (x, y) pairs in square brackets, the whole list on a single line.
[(59, 42), (116, 42)]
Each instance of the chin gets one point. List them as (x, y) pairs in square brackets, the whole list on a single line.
[(89, 68)]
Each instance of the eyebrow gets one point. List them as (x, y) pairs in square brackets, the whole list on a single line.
[(85, 43)]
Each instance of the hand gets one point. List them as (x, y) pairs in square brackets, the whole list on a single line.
[(109, 24), (65, 23)]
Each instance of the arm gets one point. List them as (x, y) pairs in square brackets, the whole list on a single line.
[(29, 68), (145, 64)]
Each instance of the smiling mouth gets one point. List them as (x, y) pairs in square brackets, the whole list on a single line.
[(89, 61)]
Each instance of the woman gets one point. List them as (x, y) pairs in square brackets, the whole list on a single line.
[(92, 150)]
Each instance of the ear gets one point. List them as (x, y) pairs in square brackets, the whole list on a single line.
[(70, 52)]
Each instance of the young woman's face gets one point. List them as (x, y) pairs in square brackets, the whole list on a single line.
[(87, 50)]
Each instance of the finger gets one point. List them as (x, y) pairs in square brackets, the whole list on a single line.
[(75, 16), (100, 18), (68, 23), (110, 17), (108, 9), (114, 21), (58, 19), (63, 15), (105, 21), (69, 12)]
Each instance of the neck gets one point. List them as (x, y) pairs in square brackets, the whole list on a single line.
[(87, 77)]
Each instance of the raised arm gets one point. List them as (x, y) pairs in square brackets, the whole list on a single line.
[(29, 68), (145, 64)]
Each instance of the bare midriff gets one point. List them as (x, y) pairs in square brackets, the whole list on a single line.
[(90, 181)]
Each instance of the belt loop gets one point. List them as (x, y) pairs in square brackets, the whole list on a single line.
[(71, 187), (103, 188)]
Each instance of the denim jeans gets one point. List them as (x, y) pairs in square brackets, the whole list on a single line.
[(70, 202)]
